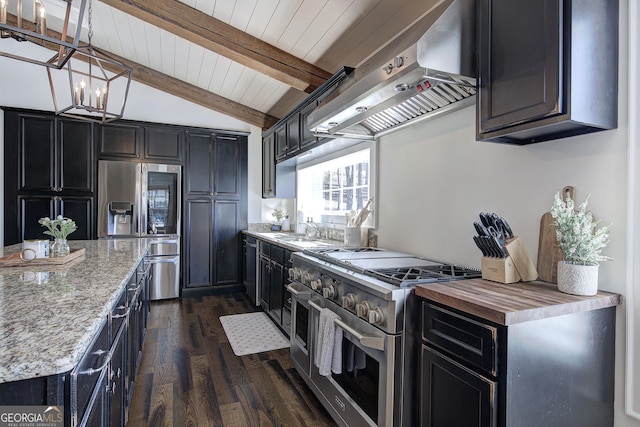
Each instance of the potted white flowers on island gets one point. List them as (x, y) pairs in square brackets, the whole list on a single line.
[(581, 245), (59, 228)]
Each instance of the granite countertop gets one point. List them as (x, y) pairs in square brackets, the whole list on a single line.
[(50, 314), (512, 303), (292, 241)]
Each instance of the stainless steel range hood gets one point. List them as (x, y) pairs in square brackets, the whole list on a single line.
[(433, 76)]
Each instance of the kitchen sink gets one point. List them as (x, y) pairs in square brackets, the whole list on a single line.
[(304, 242)]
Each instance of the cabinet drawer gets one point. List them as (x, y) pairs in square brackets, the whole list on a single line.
[(461, 337), (88, 372), (265, 249)]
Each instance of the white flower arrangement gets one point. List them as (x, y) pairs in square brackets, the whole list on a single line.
[(59, 228), (278, 214), (576, 232)]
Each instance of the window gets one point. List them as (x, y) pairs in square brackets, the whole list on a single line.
[(331, 186)]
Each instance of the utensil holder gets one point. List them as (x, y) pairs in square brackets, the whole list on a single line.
[(353, 236)]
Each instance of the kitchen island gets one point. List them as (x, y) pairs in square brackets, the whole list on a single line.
[(51, 315)]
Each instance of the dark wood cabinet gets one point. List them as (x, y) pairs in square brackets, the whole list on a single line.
[(477, 373), (272, 282), (163, 144), (307, 138), (537, 68), (250, 269), (287, 137), (119, 141), (215, 210), (140, 141), (198, 174), (278, 180), (454, 395), (268, 166), (76, 157), (32, 208), (50, 170), (55, 155), (281, 141)]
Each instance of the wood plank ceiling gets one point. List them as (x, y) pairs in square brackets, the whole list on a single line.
[(250, 59)]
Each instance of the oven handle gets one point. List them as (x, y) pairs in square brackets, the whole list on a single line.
[(298, 293), (366, 340)]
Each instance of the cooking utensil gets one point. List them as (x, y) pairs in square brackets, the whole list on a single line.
[(481, 229), (480, 245), (506, 228), (548, 251), (363, 215)]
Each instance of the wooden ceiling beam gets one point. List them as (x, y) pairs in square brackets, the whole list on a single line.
[(226, 40), (197, 95)]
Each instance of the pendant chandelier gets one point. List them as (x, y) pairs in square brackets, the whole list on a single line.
[(91, 85), (28, 20)]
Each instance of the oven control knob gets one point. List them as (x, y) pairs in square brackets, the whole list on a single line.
[(316, 285), (362, 309), (294, 273), (349, 301), (329, 292), (307, 278), (376, 317)]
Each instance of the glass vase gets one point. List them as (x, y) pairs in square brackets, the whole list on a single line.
[(60, 248)]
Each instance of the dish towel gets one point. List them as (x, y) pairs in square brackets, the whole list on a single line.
[(328, 344), (354, 358)]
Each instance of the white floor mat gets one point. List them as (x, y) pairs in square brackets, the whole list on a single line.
[(252, 333)]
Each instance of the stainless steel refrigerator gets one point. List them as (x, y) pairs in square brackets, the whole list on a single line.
[(143, 200)]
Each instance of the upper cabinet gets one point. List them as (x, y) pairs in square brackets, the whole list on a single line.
[(134, 141), (119, 141), (49, 170), (547, 69), (163, 143)]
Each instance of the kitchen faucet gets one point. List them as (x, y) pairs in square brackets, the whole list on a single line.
[(313, 229)]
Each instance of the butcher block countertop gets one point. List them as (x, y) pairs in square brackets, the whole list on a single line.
[(513, 303)]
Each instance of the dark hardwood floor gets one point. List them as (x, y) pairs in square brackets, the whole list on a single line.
[(189, 375)]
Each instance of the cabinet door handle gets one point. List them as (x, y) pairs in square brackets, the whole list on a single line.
[(125, 314), (100, 368)]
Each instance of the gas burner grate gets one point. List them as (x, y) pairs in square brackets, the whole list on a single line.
[(408, 276)]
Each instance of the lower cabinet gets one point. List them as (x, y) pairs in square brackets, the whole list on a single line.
[(551, 372), (97, 392), (212, 243), (272, 282)]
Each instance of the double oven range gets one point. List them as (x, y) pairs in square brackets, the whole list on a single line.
[(370, 292)]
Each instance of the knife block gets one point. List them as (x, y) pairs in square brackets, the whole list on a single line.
[(501, 270), (515, 267)]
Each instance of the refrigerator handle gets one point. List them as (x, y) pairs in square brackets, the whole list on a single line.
[(144, 180)]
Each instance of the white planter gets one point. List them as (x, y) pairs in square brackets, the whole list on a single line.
[(577, 279)]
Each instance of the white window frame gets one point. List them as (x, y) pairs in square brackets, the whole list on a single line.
[(338, 219)]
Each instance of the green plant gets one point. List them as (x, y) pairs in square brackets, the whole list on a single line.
[(278, 214), (576, 232), (59, 228)]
